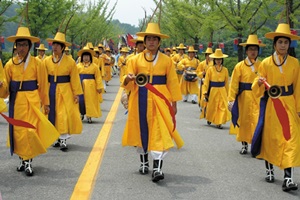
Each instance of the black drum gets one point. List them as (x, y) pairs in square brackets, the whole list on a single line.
[(190, 76)]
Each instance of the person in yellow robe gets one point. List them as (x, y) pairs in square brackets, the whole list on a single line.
[(103, 60), (168, 52), (201, 74), (122, 63), (64, 92), (215, 90), (149, 124), (108, 66), (67, 52), (174, 51), (91, 82), (242, 103), (26, 84), (41, 51), (189, 80), (139, 47), (177, 58), (280, 142)]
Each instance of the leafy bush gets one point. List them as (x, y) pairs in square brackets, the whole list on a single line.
[(5, 57)]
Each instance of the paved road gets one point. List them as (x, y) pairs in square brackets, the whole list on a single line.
[(209, 166)]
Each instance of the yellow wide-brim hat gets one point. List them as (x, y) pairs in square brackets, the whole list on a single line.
[(90, 45), (168, 49), (67, 49), (86, 49), (125, 50), (42, 47), (138, 39), (191, 50), (153, 30), (181, 46), (174, 49), (208, 51), (59, 37), (218, 54), (96, 49), (282, 30), (100, 45), (252, 40), (23, 33), (108, 49)]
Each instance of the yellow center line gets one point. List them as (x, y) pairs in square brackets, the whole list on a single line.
[(86, 182)]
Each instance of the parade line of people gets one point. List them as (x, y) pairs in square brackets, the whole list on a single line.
[(56, 93)]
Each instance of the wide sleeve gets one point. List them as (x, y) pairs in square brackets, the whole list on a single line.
[(226, 80), (75, 80), (181, 64), (130, 70), (234, 82), (42, 79), (257, 90), (4, 89), (296, 84), (172, 83), (199, 70), (98, 78), (207, 80)]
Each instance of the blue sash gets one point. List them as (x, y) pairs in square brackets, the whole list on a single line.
[(52, 94), (257, 137), (81, 97), (235, 107), (14, 88), (215, 84), (143, 100)]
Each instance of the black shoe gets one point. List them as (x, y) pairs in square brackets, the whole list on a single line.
[(144, 168), (57, 143), (220, 126), (270, 176), (288, 185), (244, 149), (194, 102), (208, 122), (157, 176), (82, 117), (21, 167), (184, 100), (28, 168), (63, 145), (89, 120)]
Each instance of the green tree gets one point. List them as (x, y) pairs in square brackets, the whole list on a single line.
[(4, 5), (244, 17)]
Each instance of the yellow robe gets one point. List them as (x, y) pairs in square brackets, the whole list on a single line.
[(122, 64), (67, 116), (176, 59), (100, 63), (90, 87), (248, 103), (186, 86), (3, 106), (202, 68), (29, 143), (275, 149), (160, 126), (108, 67), (217, 107), (41, 58)]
